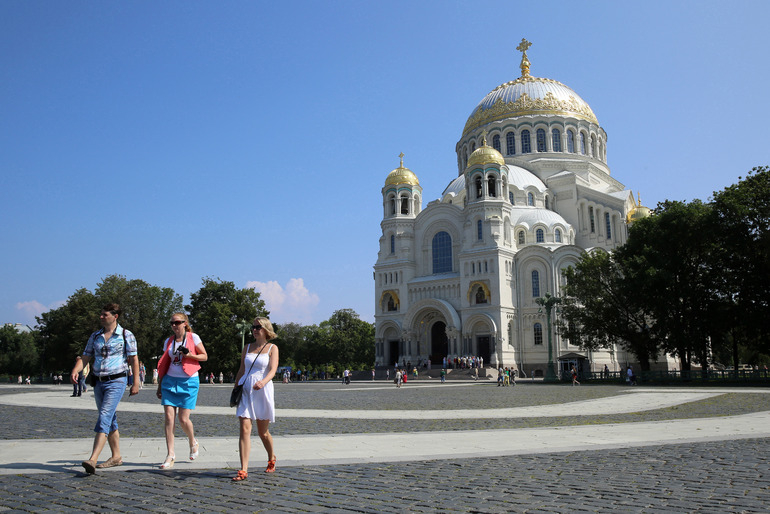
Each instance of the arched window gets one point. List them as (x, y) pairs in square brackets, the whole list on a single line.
[(557, 235), (392, 244), (392, 203), (570, 141), (473, 146), (593, 146), (481, 297), (390, 304), (496, 142), (540, 236), (479, 190), (526, 147), (546, 203), (510, 197), (556, 140), (608, 225), (540, 134), (404, 205), (521, 237), (492, 186), (535, 284), (538, 328), (510, 144), (530, 199), (591, 219), (442, 252), (479, 230), (583, 143)]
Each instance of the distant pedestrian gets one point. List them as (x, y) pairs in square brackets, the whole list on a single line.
[(415, 373), (606, 371), (372, 374), (387, 374), (630, 377), (399, 378), (443, 375), (573, 371)]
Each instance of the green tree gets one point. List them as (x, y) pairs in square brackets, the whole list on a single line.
[(347, 339), (63, 332), (670, 258), (215, 310), (18, 352), (599, 309), (743, 218)]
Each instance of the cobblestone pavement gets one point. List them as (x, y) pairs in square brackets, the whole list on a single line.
[(729, 476), (717, 476)]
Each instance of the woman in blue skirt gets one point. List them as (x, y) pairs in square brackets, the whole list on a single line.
[(178, 382)]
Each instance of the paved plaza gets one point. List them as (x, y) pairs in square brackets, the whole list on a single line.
[(427, 447)]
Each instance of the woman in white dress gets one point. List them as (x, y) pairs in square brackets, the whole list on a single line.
[(259, 362)]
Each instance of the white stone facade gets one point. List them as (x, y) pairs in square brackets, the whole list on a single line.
[(460, 277)]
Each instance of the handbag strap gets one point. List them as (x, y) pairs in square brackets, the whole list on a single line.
[(255, 360)]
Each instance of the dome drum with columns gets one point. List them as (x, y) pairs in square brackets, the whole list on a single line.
[(534, 191)]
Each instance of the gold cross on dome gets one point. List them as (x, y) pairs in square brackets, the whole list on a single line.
[(401, 156), (523, 47)]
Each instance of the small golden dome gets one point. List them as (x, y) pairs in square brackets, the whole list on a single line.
[(638, 212), (485, 155), (402, 175)]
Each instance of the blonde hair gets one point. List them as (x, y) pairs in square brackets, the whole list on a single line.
[(186, 320), (267, 326)]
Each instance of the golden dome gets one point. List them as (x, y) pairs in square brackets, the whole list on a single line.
[(528, 96), (402, 175), (638, 212), (485, 155)]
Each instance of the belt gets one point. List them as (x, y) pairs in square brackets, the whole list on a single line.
[(107, 378)]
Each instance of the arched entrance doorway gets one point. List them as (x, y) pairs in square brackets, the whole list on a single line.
[(439, 342)]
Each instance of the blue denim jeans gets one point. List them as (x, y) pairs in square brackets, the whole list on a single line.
[(107, 396)]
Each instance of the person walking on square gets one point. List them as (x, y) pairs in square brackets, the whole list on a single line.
[(575, 382), (259, 361), (113, 351), (178, 383), (77, 387)]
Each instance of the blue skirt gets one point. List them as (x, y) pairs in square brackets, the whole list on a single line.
[(180, 392)]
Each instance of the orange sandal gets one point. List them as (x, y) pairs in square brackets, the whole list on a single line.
[(242, 475), (271, 465)]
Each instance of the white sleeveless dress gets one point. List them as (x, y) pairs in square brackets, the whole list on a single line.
[(256, 404)]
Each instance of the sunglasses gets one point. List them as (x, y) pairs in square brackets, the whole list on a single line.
[(177, 323), (256, 327)]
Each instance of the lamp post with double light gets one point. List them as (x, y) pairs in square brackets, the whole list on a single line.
[(547, 302), (243, 328)]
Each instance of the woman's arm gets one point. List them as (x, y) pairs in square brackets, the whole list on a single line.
[(271, 369), (200, 355)]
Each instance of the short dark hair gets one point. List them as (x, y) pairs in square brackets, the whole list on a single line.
[(114, 308)]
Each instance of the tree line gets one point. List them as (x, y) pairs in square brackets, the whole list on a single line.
[(692, 281), (219, 312)]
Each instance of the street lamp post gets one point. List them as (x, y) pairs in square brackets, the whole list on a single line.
[(243, 327), (548, 302)]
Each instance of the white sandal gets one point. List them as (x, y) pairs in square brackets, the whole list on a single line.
[(168, 463), (194, 450)]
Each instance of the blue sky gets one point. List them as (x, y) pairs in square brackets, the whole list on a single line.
[(249, 141)]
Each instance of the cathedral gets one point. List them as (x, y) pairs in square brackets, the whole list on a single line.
[(467, 274)]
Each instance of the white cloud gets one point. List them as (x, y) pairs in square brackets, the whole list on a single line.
[(292, 303), (31, 309)]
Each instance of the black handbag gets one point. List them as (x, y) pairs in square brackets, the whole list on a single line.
[(235, 396)]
